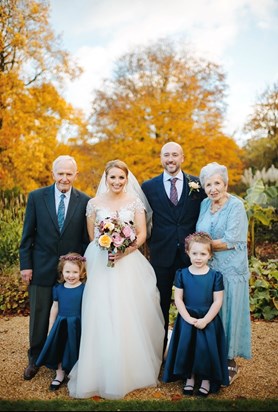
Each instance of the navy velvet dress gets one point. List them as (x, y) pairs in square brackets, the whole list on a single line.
[(202, 352), (63, 340)]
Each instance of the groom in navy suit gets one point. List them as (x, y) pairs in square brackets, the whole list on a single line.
[(45, 238), (175, 213)]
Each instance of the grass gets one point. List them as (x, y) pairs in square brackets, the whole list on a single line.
[(180, 405)]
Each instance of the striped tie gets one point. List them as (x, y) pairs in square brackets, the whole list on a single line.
[(61, 212), (173, 191)]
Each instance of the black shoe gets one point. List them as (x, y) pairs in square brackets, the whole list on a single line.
[(30, 371), (188, 390), (203, 392), (54, 387)]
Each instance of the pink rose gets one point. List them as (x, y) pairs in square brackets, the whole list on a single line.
[(117, 240), (128, 232)]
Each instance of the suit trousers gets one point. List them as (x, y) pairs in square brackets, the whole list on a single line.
[(165, 278), (41, 300)]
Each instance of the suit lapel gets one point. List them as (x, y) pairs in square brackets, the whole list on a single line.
[(162, 192), (73, 202), (49, 198)]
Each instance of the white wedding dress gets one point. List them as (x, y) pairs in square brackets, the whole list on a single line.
[(122, 322)]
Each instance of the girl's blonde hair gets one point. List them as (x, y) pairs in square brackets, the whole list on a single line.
[(76, 258)]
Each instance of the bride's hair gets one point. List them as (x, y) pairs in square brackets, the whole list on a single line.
[(116, 163)]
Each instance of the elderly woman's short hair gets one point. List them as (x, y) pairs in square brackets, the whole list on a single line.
[(211, 169)]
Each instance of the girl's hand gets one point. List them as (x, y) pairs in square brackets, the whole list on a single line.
[(200, 323), (191, 320)]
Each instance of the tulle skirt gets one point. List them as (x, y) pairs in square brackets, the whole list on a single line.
[(122, 328)]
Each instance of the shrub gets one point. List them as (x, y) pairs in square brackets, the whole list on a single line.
[(14, 298), (263, 289), (11, 229)]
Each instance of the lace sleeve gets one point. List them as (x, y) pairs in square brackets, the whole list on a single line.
[(139, 205), (90, 209), (235, 235)]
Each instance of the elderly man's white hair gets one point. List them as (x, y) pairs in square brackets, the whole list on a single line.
[(63, 158)]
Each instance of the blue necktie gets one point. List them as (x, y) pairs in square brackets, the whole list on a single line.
[(173, 191), (61, 212)]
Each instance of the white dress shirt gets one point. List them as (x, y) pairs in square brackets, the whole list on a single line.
[(58, 198)]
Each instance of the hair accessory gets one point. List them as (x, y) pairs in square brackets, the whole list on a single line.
[(73, 258), (195, 237)]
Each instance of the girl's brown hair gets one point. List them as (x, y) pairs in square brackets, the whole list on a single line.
[(199, 237), (75, 258)]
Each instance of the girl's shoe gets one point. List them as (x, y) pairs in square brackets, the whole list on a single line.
[(203, 392), (53, 386), (188, 390)]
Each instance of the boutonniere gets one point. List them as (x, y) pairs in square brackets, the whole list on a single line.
[(193, 185)]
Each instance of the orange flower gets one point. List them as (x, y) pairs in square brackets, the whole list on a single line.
[(105, 241)]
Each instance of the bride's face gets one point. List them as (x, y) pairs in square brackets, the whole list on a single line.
[(116, 180)]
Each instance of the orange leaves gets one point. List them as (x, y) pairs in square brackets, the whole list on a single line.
[(176, 397)]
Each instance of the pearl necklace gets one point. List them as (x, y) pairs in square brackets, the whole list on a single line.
[(214, 208)]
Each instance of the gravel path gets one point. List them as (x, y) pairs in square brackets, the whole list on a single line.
[(258, 377)]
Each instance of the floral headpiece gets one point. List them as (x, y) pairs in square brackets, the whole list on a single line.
[(197, 236), (73, 258)]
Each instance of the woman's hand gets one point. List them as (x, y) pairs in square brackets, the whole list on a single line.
[(114, 257)]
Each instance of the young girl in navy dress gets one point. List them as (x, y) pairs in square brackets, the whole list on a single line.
[(61, 347), (197, 349)]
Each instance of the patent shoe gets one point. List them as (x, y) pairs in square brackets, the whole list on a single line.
[(188, 390), (203, 392), (30, 371), (53, 387)]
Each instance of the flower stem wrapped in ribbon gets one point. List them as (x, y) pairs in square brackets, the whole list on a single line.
[(114, 234)]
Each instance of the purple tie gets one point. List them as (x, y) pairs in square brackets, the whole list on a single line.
[(173, 191)]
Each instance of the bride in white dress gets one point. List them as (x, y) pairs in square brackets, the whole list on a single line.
[(122, 323)]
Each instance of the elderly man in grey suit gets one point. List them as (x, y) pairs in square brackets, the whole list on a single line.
[(54, 225)]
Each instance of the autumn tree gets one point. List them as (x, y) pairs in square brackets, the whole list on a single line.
[(158, 94), (33, 68), (261, 150)]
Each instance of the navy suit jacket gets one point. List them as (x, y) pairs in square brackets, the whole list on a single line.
[(171, 224), (42, 243)]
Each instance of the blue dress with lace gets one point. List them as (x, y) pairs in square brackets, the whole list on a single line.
[(230, 224), (202, 352), (63, 340)]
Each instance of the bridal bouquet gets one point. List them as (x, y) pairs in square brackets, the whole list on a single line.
[(114, 234)]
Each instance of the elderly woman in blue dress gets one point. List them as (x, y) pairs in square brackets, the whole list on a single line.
[(223, 216)]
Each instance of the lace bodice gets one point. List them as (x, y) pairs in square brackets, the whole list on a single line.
[(124, 213)]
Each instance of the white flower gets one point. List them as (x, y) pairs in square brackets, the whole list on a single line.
[(193, 186)]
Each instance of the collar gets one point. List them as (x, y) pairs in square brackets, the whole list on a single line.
[(166, 176), (58, 193)]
